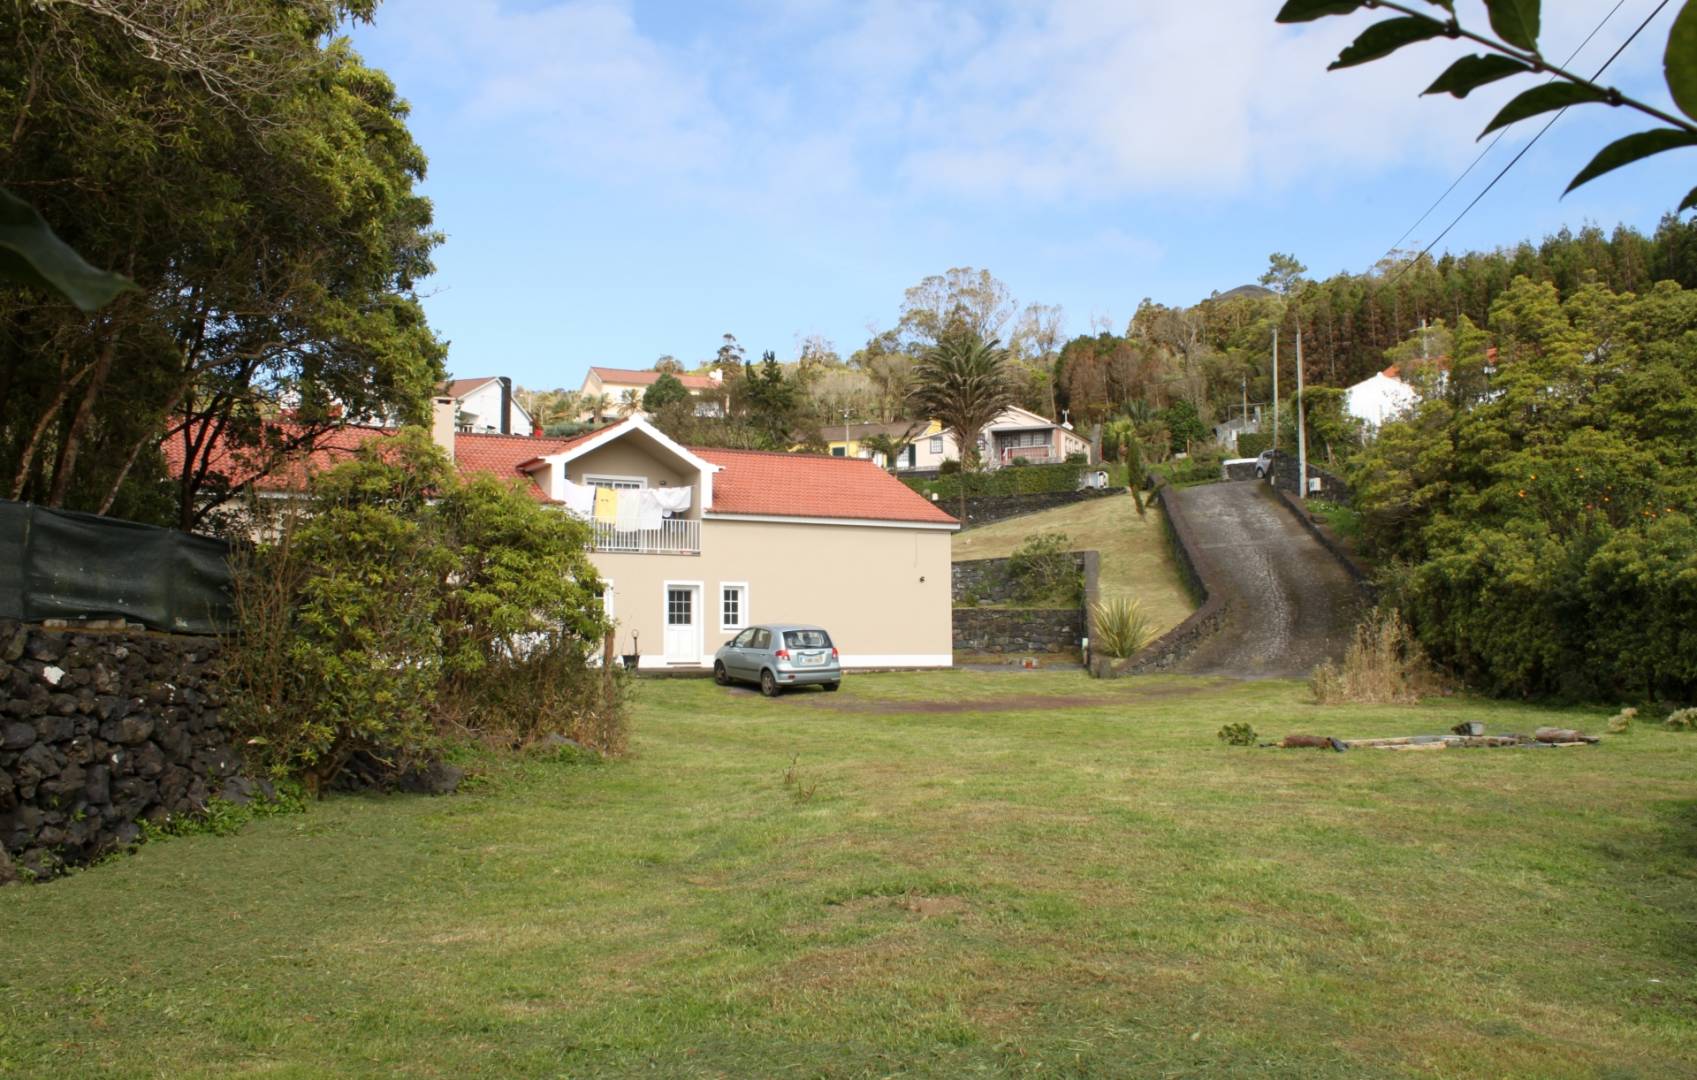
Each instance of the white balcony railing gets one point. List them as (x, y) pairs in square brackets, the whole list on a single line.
[(675, 536)]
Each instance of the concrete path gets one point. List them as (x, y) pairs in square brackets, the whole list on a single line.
[(1292, 605)]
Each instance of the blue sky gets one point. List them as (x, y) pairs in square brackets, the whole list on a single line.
[(620, 180)]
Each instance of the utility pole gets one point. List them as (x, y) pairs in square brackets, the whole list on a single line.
[(1275, 386), (1301, 424)]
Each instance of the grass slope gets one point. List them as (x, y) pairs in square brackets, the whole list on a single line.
[(1136, 560), (964, 874)]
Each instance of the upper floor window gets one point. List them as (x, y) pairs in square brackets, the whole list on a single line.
[(936, 444), (618, 483)]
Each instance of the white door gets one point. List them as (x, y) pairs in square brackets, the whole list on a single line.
[(683, 620)]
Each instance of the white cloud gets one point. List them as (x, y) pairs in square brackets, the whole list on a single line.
[(797, 103)]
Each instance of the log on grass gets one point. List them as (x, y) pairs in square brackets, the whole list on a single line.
[(1563, 735), (1306, 742)]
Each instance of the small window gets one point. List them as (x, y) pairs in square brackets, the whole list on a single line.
[(617, 483), (744, 640), (806, 639), (733, 606), (839, 451), (936, 444), (762, 639)]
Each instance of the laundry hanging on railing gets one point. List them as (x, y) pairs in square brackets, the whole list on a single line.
[(579, 499), (673, 500), (648, 512), (606, 505)]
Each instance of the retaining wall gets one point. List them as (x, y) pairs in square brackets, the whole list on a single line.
[(1019, 631), (984, 509), (987, 580), (1284, 478), (100, 730), (1198, 572)]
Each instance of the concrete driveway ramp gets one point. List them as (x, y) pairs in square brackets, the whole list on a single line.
[(1292, 604)]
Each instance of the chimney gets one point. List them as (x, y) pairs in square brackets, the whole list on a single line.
[(506, 405), (442, 410)]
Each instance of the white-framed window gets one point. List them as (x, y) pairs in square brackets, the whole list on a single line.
[(607, 598), (618, 483), (733, 605), (936, 444)]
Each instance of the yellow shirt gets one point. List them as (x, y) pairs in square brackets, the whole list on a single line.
[(606, 505)]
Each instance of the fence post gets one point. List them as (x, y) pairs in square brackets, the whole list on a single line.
[(607, 670)]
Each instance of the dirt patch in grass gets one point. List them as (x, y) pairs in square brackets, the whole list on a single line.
[(1019, 703)]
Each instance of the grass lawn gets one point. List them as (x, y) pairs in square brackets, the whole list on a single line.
[(1026, 874), (1136, 560)]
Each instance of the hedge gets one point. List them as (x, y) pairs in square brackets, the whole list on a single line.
[(1009, 480), (1251, 443)]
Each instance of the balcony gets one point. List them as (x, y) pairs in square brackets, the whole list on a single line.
[(675, 536)]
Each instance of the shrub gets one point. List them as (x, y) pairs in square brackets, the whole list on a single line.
[(1042, 568), (1251, 443), (1121, 628), (404, 601), (1384, 664), (1237, 735), (1683, 720), (1621, 722)]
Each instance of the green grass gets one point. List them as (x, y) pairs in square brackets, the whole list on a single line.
[(1341, 519), (960, 874), (1136, 561)]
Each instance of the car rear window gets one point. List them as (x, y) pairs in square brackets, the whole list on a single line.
[(807, 639)]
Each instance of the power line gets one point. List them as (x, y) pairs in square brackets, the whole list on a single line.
[(1512, 161), (1493, 145)]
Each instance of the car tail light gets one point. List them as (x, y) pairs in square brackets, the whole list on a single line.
[(783, 654), (833, 652)]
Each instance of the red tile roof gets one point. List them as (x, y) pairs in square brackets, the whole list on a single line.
[(748, 482), (813, 485), (627, 377)]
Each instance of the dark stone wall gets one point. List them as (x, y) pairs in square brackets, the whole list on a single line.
[(1284, 474), (1238, 470), (100, 730), (1005, 631), (984, 509), (987, 579)]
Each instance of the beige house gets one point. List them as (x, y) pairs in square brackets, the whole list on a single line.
[(760, 537), (624, 388), (487, 405)]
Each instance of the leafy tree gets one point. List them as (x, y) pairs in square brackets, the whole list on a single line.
[(961, 302), (728, 359), (893, 445), (256, 183), (1283, 273), (669, 365), (1184, 425), (962, 382), (1514, 52), (1545, 529), (664, 391), (771, 402)]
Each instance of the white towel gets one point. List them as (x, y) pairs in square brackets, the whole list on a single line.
[(579, 499), (673, 499), (630, 509), (648, 510)]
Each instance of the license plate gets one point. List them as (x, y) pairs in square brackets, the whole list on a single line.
[(814, 660)]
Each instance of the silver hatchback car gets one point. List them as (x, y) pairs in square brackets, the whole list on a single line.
[(776, 655)]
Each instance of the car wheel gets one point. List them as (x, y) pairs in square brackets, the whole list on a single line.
[(720, 675), (769, 685), (1260, 474), (833, 686)]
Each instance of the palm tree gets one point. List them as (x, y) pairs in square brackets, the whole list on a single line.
[(597, 406), (962, 382), (629, 402)]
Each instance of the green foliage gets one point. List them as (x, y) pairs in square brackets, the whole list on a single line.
[(1031, 480), (1121, 628), (1252, 443), (963, 383), (1184, 425), (1681, 720), (400, 587), (664, 391), (1621, 722), (255, 180), (31, 254), (1546, 531), (1515, 51), (1238, 734), (1042, 569)]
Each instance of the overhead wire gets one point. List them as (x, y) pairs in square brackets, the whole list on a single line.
[(1465, 173), (1530, 143)]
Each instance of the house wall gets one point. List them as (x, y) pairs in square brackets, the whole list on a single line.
[(485, 404), (635, 455), (880, 613)]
